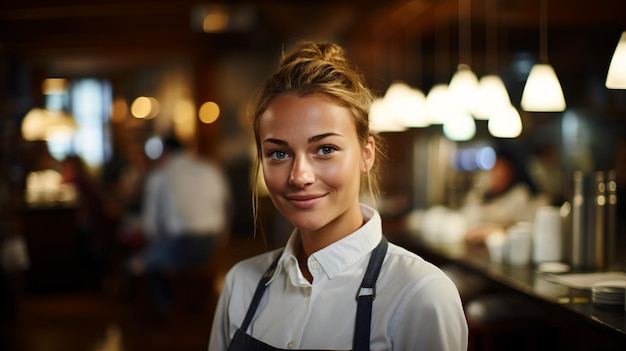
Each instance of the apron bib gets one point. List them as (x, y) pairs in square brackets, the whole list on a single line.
[(365, 297)]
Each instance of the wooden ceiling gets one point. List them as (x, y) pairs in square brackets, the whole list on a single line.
[(97, 35), (74, 37)]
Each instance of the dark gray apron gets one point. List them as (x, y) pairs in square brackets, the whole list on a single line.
[(361, 342)]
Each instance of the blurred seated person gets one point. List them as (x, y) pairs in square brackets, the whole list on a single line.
[(186, 211), (501, 197), (544, 169)]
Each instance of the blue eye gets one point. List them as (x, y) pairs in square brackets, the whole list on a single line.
[(326, 150), (278, 155)]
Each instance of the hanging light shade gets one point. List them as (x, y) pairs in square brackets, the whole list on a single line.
[(460, 126), (35, 124), (408, 105), (492, 96), (382, 118), (438, 107), (616, 77), (505, 123), (43, 124), (543, 91), (463, 88)]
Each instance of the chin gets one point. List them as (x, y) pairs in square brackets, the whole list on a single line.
[(309, 220), (305, 224)]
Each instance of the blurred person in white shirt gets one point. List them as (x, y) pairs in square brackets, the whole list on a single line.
[(186, 214), (504, 195)]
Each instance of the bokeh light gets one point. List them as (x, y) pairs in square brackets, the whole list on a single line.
[(154, 148), (119, 110), (144, 107), (209, 112)]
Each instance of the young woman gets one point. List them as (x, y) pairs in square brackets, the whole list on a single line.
[(337, 284)]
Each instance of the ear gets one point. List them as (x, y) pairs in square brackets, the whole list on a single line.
[(369, 155)]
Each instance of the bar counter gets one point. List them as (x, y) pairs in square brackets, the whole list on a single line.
[(581, 323)]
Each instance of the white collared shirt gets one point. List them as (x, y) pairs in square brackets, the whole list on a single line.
[(186, 195), (417, 307)]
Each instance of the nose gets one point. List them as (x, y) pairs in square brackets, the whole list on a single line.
[(302, 173)]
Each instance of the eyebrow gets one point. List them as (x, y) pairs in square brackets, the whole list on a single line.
[(310, 140)]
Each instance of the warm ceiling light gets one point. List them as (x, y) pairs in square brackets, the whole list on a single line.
[(42, 124), (382, 118), (460, 126), (144, 107), (616, 77), (35, 124), (209, 112), (408, 105), (492, 96), (542, 92), (505, 123), (216, 19), (184, 121), (119, 110), (54, 86), (463, 88), (438, 106)]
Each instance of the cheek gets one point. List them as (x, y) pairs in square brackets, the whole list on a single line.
[(341, 173), (274, 176)]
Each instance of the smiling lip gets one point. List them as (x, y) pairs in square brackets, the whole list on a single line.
[(304, 201)]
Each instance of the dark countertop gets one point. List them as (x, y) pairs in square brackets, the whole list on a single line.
[(524, 279)]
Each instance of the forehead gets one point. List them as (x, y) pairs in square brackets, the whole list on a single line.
[(291, 115)]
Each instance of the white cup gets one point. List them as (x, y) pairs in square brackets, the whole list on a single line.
[(496, 246), (519, 243), (547, 235)]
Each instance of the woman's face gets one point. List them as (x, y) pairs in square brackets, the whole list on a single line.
[(312, 162)]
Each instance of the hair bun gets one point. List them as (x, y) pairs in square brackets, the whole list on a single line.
[(310, 51)]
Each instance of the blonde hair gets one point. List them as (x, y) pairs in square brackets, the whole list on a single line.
[(319, 68)]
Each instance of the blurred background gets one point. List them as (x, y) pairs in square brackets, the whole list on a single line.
[(106, 81)]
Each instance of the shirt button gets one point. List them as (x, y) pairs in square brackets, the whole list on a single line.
[(290, 345), (315, 265)]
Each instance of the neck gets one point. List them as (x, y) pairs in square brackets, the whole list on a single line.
[(312, 241)]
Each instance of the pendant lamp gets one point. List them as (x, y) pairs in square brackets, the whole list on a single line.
[(382, 117), (407, 104), (543, 92), (492, 96), (438, 107), (492, 93), (459, 126), (505, 123), (616, 77), (463, 87)]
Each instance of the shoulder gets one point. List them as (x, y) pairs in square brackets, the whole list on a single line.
[(403, 258), (406, 270), (418, 287)]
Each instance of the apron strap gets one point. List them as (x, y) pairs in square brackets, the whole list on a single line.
[(365, 298), (260, 289)]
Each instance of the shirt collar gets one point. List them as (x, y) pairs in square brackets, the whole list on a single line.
[(340, 255)]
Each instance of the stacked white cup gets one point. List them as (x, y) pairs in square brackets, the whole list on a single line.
[(519, 243), (547, 235)]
